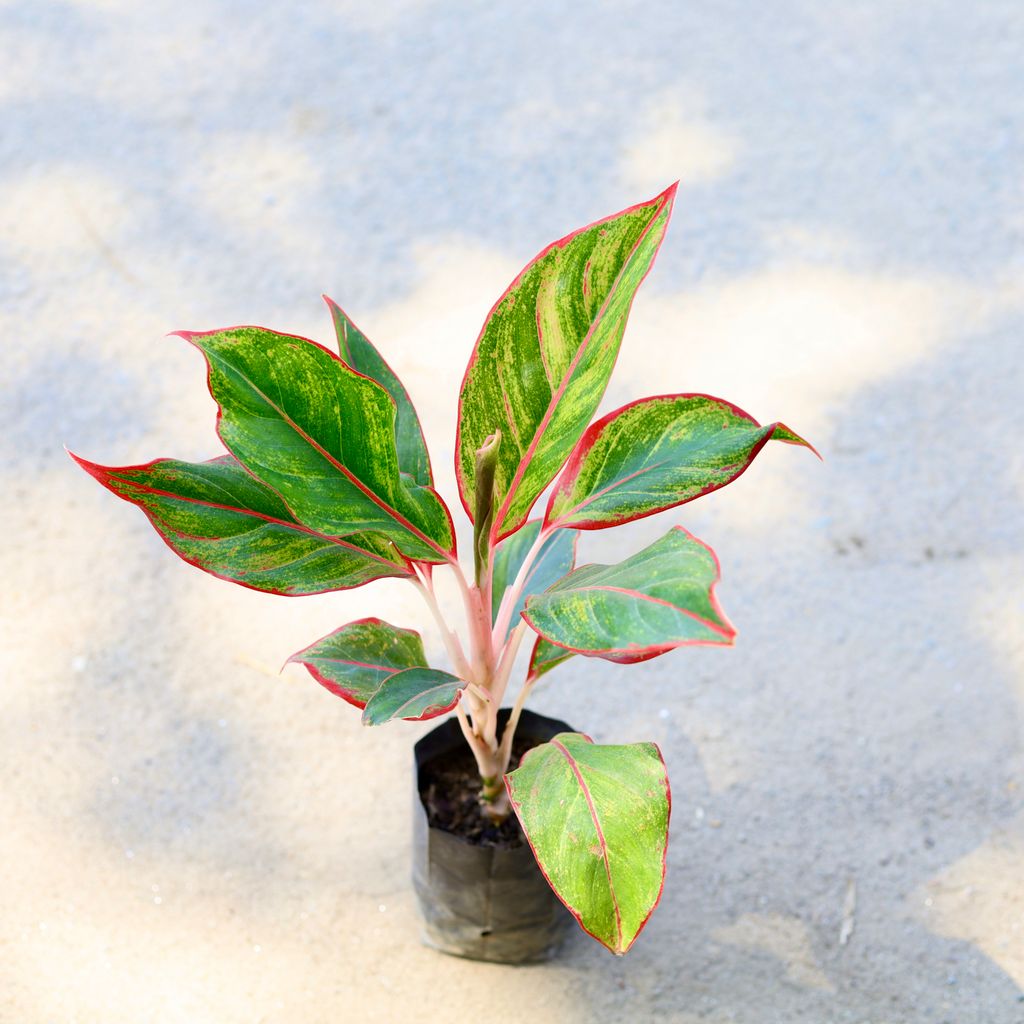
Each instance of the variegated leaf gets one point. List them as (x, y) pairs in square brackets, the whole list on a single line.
[(546, 351), (653, 454), (221, 519), (358, 351), (414, 695), (658, 599), (322, 436), (596, 817), (555, 558), (545, 657), (354, 660)]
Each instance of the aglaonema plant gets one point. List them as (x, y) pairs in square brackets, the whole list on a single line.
[(327, 485)]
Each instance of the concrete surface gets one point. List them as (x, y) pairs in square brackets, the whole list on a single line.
[(188, 835)]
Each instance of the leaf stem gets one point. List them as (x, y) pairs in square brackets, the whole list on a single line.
[(507, 738), (505, 664), (511, 596), (451, 640)]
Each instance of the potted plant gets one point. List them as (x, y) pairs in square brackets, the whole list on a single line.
[(327, 484)]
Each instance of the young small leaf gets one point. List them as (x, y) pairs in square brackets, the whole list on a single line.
[(546, 351), (596, 817), (354, 660), (653, 454), (553, 561), (414, 695), (322, 436), (658, 599), (486, 460), (358, 351), (222, 520)]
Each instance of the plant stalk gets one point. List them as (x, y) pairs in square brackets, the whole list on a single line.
[(491, 658)]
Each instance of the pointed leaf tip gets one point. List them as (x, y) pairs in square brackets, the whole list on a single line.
[(546, 351), (223, 520), (359, 353), (788, 436), (654, 454), (84, 463)]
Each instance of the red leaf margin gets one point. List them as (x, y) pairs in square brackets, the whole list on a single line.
[(371, 620), (635, 655), (547, 877), (589, 437), (333, 306), (668, 199), (103, 473), (190, 335)]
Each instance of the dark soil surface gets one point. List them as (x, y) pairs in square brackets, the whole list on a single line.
[(450, 790)]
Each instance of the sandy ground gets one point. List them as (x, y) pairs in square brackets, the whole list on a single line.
[(188, 835)]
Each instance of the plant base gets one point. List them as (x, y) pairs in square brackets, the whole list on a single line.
[(482, 902)]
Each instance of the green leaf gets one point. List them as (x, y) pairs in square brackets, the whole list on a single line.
[(415, 695), (658, 599), (545, 657), (354, 660), (544, 356), (555, 558), (653, 454), (597, 819), (358, 351), (221, 519), (322, 436)]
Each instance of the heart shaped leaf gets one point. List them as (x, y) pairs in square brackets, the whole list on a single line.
[(220, 518), (555, 558), (354, 660), (322, 436), (358, 351), (658, 599), (653, 454), (596, 817), (414, 695), (546, 351)]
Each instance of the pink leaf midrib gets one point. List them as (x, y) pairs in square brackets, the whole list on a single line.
[(274, 520), (343, 470), (556, 397), (604, 490), (600, 835), (348, 661), (641, 596)]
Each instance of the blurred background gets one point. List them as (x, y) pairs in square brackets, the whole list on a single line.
[(189, 834)]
